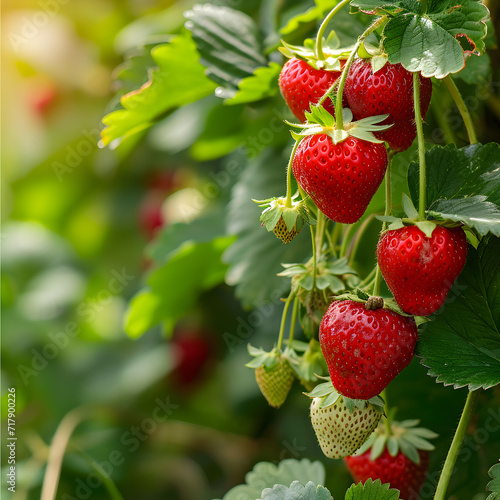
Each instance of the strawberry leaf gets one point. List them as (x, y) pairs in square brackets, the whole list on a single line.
[(178, 79), (494, 484), (263, 83), (435, 42), (457, 173), (296, 491), (371, 490), (193, 268), (475, 212), (462, 185), (461, 343), (311, 15), (229, 43), (266, 475)]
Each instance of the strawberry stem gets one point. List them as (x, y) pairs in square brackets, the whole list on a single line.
[(456, 444), (345, 240), (422, 202), (313, 241), (288, 202), (357, 238), (319, 38), (338, 105), (423, 9), (294, 318), (466, 117), (283, 320)]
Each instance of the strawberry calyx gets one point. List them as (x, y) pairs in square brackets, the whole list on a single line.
[(320, 121), (269, 360), (372, 302), (285, 221), (404, 436), (427, 226), (333, 53), (329, 396)]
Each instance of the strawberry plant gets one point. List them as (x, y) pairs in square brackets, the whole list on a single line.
[(386, 244)]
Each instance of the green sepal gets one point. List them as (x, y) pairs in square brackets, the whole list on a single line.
[(405, 437), (330, 396), (333, 53), (294, 216), (409, 208)]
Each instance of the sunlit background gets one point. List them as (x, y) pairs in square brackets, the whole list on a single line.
[(178, 418)]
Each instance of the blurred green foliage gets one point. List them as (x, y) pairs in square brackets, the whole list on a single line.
[(87, 228)]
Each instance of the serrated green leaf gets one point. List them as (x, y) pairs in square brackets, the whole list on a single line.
[(461, 343), (474, 211), (297, 491), (254, 259), (266, 475), (174, 287), (178, 80), (262, 84), (456, 173), (371, 490), (430, 43), (494, 484), (229, 44)]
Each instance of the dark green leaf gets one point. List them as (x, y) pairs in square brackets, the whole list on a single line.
[(461, 343), (256, 256), (229, 43), (179, 79), (266, 475), (475, 212), (494, 484), (174, 287), (457, 173), (434, 43), (371, 491), (296, 491)]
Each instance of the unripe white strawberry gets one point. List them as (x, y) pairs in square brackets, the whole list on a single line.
[(342, 425)]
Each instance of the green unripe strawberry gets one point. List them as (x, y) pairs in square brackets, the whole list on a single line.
[(275, 383), (273, 373)]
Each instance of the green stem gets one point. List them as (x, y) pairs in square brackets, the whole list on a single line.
[(283, 320), (288, 203), (320, 233), (294, 318), (313, 241), (424, 6), (378, 282), (331, 244), (319, 38), (387, 421), (456, 444), (457, 97), (368, 279), (422, 202), (357, 238), (338, 105), (328, 92), (345, 240)]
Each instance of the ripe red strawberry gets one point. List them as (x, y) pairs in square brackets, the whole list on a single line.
[(301, 85), (365, 349), (340, 178), (419, 270), (342, 425), (389, 90), (399, 471)]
